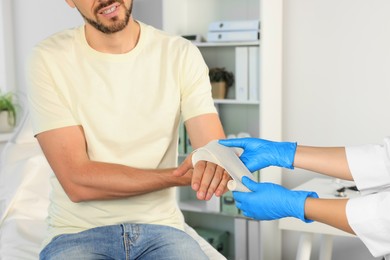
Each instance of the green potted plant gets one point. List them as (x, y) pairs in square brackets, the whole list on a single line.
[(220, 80), (7, 112)]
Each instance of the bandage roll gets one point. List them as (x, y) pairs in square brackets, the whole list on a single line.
[(232, 185)]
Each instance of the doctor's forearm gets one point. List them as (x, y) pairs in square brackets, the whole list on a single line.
[(331, 161), (328, 211)]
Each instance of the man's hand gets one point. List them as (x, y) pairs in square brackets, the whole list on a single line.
[(207, 178)]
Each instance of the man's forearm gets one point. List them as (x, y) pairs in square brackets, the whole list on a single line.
[(101, 181), (82, 179)]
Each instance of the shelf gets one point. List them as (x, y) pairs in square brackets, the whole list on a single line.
[(237, 116), (226, 44), (235, 102), (192, 206), (199, 206), (218, 214)]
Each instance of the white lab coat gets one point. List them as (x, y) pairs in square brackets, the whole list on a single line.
[(369, 214)]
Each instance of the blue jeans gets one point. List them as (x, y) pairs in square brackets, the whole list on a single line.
[(125, 241)]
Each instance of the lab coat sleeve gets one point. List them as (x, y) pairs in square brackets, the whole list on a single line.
[(368, 214), (370, 166), (369, 218)]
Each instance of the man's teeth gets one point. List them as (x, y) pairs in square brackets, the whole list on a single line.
[(108, 11)]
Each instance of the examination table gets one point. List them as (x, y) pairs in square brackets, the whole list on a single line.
[(24, 190)]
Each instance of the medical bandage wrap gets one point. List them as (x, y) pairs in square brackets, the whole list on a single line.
[(227, 158)]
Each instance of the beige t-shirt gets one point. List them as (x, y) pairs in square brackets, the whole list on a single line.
[(129, 106)]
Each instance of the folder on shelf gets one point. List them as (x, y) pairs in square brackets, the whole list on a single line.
[(182, 138), (233, 36), (188, 146), (253, 73), (241, 25), (240, 239), (228, 204), (241, 73), (253, 240), (218, 239), (214, 204)]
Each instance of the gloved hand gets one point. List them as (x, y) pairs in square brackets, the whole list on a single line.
[(260, 153), (269, 201)]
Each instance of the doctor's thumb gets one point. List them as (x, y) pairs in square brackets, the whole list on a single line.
[(250, 184)]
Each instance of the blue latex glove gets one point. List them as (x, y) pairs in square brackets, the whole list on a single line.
[(269, 201), (260, 153)]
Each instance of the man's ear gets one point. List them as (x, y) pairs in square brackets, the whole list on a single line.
[(70, 3)]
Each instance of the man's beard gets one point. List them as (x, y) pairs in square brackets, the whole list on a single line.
[(117, 25)]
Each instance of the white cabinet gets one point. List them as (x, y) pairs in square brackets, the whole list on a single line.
[(238, 116), (259, 118)]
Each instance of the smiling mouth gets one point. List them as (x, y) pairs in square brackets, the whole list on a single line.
[(110, 9)]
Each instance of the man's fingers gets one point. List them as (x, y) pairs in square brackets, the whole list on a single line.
[(222, 187), (206, 179), (215, 183), (197, 175), (209, 179)]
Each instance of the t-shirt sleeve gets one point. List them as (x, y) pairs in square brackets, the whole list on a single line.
[(47, 104), (196, 98)]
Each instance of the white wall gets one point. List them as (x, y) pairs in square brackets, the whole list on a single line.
[(34, 21), (22, 25), (6, 47), (336, 82), (149, 12), (336, 57)]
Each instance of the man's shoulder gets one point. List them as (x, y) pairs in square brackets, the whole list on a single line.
[(59, 40)]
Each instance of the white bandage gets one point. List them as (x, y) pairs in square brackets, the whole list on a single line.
[(228, 159)]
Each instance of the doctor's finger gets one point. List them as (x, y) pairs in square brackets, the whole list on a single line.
[(235, 142), (239, 196)]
